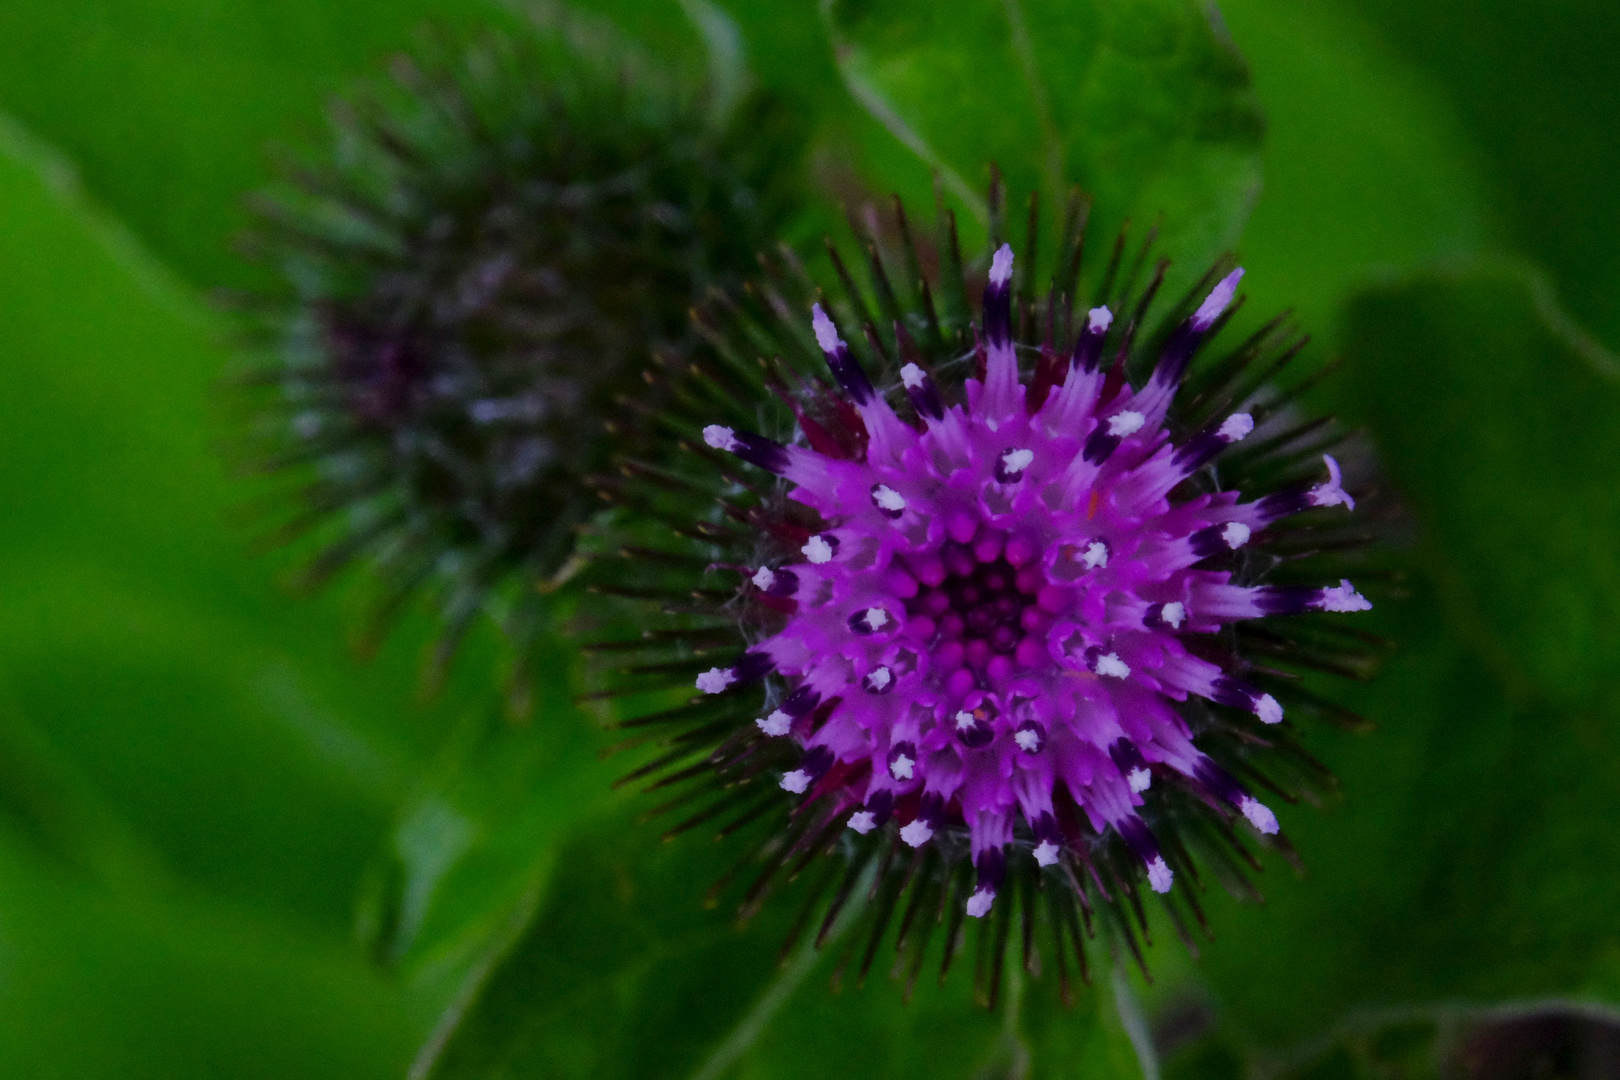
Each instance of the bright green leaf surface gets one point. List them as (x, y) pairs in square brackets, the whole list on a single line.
[(1147, 106), (169, 106), (1366, 170), (220, 717)]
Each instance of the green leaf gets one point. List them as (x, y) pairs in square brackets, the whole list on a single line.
[(1145, 105), (476, 844), (1367, 171), (1473, 858), (168, 106), (95, 987), (623, 972), (217, 717), (1536, 87)]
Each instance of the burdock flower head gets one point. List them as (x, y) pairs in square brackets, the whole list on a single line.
[(1017, 619), (497, 242)]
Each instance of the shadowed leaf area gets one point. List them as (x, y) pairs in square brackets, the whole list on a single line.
[(624, 972), (1471, 859)]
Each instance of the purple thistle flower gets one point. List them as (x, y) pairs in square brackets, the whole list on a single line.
[(1008, 593), (1004, 589)]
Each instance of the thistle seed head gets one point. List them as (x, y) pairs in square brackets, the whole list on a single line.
[(474, 279)]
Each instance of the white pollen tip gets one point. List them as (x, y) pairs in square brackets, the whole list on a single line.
[(1096, 555), (818, 550), (1174, 614), (1159, 874), (863, 821), (880, 677), (720, 437), (1236, 534), (764, 577), (1139, 779), (978, 904), (1046, 853), (1216, 302), (912, 376), (1344, 597), (776, 724), (903, 768), (1099, 319), (1268, 710), (1259, 815), (1125, 423), (1110, 664), (1001, 265), (796, 781), (715, 680), (826, 332), (1331, 493), (877, 618), (1237, 426), (888, 499), (918, 833), (1016, 461), (1027, 740), (964, 720)]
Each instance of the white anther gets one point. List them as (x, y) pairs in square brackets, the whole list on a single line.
[(1028, 739), (1237, 426), (1111, 664), (1343, 597), (776, 724), (965, 720), (918, 833), (1331, 493), (1268, 710), (912, 376), (875, 618), (1099, 319), (1139, 779), (1001, 265), (796, 781), (1173, 614), (1259, 815), (826, 332), (1235, 534), (1217, 300), (1159, 875), (888, 499), (902, 768), (715, 680), (1046, 853), (818, 550), (720, 437), (879, 678), (764, 578), (863, 821), (1096, 555), (1016, 461), (978, 904), (1125, 423)]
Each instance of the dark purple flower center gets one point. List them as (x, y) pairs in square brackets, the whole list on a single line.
[(980, 614)]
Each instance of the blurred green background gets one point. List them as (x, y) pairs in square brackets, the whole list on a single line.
[(227, 848)]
